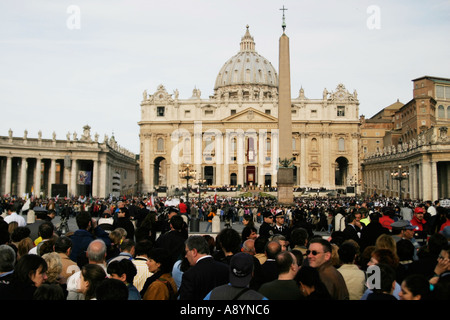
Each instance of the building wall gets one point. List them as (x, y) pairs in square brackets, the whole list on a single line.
[(39, 166), (318, 126)]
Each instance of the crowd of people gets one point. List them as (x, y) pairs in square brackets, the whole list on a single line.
[(140, 248)]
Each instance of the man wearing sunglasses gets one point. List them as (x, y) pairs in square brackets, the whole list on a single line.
[(266, 230), (319, 257)]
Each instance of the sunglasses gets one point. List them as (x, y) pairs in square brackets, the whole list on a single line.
[(313, 252)]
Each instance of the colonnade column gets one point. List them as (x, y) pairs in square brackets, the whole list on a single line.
[(23, 176), (37, 178), (8, 175), (95, 178)]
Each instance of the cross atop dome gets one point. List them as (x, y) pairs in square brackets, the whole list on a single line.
[(247, 42)]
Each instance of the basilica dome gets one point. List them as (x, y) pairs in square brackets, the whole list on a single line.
[(246, 68)]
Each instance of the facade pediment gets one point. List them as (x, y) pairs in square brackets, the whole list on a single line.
[(250, 115)]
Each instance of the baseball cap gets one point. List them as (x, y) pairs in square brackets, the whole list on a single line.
[(241, 269), (418, 210)]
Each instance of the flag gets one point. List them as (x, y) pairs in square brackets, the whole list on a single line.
[(26, 205), (215, 195)]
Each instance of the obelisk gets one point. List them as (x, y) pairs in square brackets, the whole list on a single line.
[(285, 176)]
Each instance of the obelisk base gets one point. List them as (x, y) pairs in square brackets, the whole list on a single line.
[(285, 186)]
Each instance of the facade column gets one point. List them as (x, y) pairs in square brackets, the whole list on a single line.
[(219, 160), (326, 161), (73, 178), (262, 154), (95, 178), (102, 178), (240, 158), (426, 179), (8, 175), (52, 176), (147, 181), (274, 158), (226, 159), (37, 178), (23, 176), (434, 181)]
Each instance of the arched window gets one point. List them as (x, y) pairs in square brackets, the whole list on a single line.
[(448, 112), (160, 144), (441, 112)]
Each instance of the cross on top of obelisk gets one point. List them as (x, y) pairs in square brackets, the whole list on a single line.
[(283, 25)]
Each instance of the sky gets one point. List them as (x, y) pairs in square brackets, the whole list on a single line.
[(67, 64)]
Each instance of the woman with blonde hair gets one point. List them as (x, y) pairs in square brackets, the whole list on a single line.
[(54, 267), (386, 241)]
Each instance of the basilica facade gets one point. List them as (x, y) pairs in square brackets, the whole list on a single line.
[(231, 137)]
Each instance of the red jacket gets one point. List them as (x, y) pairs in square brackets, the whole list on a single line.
[(418, 223), (386, 222)]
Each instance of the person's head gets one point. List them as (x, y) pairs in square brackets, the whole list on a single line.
[(241, 269), (386, 282), (260, 244), (46, 230), (299, 237), (383, 256), (386, 241), (298, 256), (249, 247), (123, 270), (55, 266), (24, 246), (177, 222), (308, 279), (159, 260), (286, 263), (279, 219), (128, 245), (195, 248), (319, 252), (143, 248), (31, 269), (405, 250), (123, 212), (63, 244), (91, 276), (51, 214), (7, 258), (49, 292), (281, 240), (272, 249), (444, 257), (111, 289), (116, 236), (419, 212), (96, 251), (249, 232), (414, 287), (83, 220), (404, 228), (230, 240), (347, 253), (20, 233), (268, 217)]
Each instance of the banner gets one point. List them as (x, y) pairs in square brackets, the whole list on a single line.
[(84, 177)]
